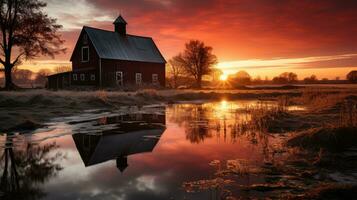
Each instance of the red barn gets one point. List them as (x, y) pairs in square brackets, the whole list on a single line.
[(103, 58)]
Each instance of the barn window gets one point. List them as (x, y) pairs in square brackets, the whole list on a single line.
[(138, 78), (155, 79), (83, 77), (85, 54), (119, 78), (75, 77), (92, 77)]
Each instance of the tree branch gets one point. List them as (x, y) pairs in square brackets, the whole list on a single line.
[(18, 58), (2, 62)]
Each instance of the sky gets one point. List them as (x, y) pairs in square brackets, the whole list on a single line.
[(262, 37)]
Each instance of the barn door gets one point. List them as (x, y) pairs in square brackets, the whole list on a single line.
[(119, 78)]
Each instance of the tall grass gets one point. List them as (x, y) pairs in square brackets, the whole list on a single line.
[(348, 114)]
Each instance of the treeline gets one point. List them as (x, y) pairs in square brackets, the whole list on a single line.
[(194, 68), (243, 78), (178, 79), (29, 79)]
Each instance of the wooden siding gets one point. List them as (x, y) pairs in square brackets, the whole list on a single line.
[(87, 78), (129, 69), (77, 64), (59, 81)]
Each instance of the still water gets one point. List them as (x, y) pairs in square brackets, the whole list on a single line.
[(180, 151)]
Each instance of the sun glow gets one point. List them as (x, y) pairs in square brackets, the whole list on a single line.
[(223, 77)]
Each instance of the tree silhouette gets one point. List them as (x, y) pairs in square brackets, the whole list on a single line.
[(175, 72), (25, 32), (197, 60), (24, 170), (241, 77)]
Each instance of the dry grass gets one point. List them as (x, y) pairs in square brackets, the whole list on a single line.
[(338, 134), (331, 138), (265, 117), (322, 100)]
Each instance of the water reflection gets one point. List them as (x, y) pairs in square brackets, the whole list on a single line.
[(195, 148), (224, 121), (135, 133), (24, 169)]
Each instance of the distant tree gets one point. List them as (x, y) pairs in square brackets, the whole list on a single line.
[(290, 76), (197, 60), (352, 77), (286, 77), (22, 76), (175, 72), (62, 69), (25, 32), (311, 79), (266, 80), (41, 76), (241, 77), (280, 80), (257, 80)]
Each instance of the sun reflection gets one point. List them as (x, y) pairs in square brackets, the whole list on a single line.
[(224, 105)]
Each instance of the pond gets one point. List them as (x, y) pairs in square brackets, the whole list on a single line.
[(196, 150)]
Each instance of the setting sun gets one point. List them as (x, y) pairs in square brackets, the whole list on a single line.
[(223, 77)]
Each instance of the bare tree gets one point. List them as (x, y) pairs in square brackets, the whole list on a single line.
[(197, 60), (26, 32), (175, 71)]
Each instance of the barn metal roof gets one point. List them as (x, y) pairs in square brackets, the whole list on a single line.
[(111, 45)]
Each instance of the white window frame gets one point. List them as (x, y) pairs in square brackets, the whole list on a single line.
[(83, 77), (75, 77), (87, 48), (122, 78), (155, 79), (138, 78), (92, 77)]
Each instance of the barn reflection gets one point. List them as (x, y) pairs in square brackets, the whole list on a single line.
[(134, 134)]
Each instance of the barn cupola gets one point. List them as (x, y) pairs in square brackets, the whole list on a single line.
[(120, 25)]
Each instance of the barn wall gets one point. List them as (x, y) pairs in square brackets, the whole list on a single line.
[(87, 80), (59, 81), (77, 64), (129, 69)]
